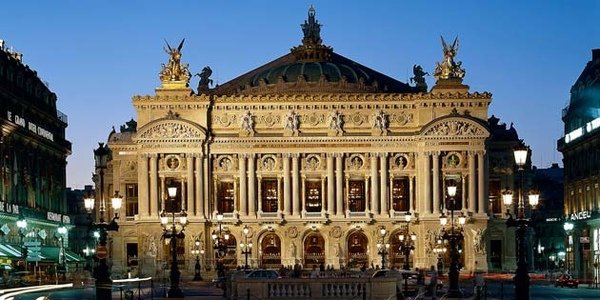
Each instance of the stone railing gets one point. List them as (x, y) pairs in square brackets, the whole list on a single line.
[(314, 288)]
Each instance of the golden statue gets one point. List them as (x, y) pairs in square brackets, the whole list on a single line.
[(448, 69), (175, 70)]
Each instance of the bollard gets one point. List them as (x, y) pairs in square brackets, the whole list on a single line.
[(364, 295), (139, 290), (248, 294), (152, 289), (502, 290)]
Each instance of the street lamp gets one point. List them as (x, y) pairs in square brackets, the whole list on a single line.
[(246, 247), (521, 278), (101, 271), (383, 247), (220, 246), (407, 246), (61, 233), (568, 227), (454, 236), (22, 225), (196, 251), (172, 232)]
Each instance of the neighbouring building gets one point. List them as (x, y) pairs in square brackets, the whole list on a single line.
[(314, 153), (33, 159), (580, 147)]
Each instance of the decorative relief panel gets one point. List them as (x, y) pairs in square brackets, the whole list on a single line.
[(454, 128), (171, 130), (401, 118), (225, 163), (225, 119), (358, 119), (269, 163), (269, 120), (454, 160), (171, 162), (355, 162), (128, 169), (313, 119), (312, 162), (399, 162)]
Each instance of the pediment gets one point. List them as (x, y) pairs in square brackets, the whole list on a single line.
[(171, 130), (456, 126)]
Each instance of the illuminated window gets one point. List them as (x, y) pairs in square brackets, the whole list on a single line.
[(131, 199), (356, 195), (269, 195), (225, 197), (400, 194), (313, 195)]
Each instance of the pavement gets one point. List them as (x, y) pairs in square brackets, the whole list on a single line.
[(204, 290)]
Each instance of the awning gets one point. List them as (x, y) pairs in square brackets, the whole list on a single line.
[(10, 251), (52, 254)]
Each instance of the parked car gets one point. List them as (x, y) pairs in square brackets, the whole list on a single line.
[(566, 280)]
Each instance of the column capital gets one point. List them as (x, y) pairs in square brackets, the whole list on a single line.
[(435, 153)]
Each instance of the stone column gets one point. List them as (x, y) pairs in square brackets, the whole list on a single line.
[(411, 193), (243, 185), (287, 185), (464, 193), (303, 195), (183, 196), (259, 200), (383, 182), (367, 194), (374, 185), (436, 182), (190, 203), (427, 187), (163, 194), (472, 182), (330, 184), (143, 196), (199, 179), (251, 185), (154, 201), (279, 195), (339, 182), (296, 185), (481, 181)]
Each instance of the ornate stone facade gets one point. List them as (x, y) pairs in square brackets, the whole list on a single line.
[(314, 164)]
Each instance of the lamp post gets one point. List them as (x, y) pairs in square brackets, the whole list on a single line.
[(454, 236), (383, 247), (521, 223), (101, 271), (246, 247), (220, 246), (568, 227), (197, 267), (61, 233), (22, 226), (172, 232), (407, 246)]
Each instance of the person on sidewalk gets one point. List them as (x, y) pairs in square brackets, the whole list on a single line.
[(478, 283)]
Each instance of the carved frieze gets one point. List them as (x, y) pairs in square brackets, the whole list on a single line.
[(312, 162), (455, 128), (171, 130)]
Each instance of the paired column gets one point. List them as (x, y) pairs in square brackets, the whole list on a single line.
[(190, 203), (154, 201), (143, 196), (251, 185), (296, 185), (330, 184), (436, 182), (287, 185), (339, 182), (374, 185), (427, 175), (481, 181), (383, 182), (472, 182), (243, 185), (199, 179)]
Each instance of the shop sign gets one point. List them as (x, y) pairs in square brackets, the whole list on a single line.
[(582, 215), (51, 216), (9, 208), (21, 121)]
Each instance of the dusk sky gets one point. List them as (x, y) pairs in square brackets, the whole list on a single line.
[(96, 55)]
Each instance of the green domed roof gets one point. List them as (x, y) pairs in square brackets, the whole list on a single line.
[(313, 67)]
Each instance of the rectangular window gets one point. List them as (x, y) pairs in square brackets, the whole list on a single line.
[(225, 197), (495, 195), (131, 199), (269, 193), (356, 195), (313, 195), (400, 192), (132, 254)]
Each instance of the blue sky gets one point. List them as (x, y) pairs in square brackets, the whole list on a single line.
[(96, 55)]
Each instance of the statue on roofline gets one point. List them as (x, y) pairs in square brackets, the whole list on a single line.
[(175, 70), (448, 68)]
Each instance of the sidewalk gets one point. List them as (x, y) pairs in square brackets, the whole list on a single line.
[(199, 290)]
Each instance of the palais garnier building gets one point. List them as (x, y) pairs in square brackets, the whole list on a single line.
[(313, 154)]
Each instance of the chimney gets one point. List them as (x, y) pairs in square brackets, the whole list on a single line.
[(595, 54)]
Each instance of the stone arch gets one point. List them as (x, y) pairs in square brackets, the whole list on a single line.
[(270, 250), (357, 247), (313, 249)]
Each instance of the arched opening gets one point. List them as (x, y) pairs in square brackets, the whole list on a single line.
[(230, 258), (314, 250), (397, 254), (270, 251), (357, 250)]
